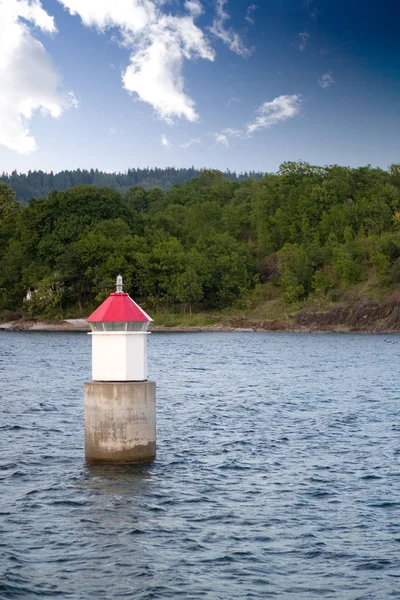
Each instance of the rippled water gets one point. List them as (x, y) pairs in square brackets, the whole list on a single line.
[(277, 472)]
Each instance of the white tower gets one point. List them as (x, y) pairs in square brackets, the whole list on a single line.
[(120, 404), (119, 339)]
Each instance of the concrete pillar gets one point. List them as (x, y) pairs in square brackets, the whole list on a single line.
[(120, 421)]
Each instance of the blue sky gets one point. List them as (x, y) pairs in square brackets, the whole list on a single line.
[(227, 84)]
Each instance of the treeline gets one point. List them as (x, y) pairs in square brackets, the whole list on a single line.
[(209, 243), (38, 184)]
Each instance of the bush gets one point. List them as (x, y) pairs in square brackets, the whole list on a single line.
[(323, 281)]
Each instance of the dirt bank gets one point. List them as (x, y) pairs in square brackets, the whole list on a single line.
[(38, 325), (77, 325), (362, 316)]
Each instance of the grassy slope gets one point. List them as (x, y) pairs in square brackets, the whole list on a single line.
[(361, 307)]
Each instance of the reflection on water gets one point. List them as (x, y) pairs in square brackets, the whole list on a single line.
[(277, 472), (117, 479)]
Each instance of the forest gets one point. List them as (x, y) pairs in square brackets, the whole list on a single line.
[(209, 244), (39, 184)]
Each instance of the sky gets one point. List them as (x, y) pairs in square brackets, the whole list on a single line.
[(224, 84)]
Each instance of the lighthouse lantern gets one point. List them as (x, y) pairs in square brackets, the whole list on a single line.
[(119, 338)]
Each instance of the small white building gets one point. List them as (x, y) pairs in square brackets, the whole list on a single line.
[(119, 339)]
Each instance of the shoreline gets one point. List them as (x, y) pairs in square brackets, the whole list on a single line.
[(80, 326)]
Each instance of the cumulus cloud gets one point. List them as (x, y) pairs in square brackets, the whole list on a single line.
[(326, 80), (250, 12), (194, 8), (271, 113), (158, 43), (132, 16), (304, 39), (227, 35), (28, 79)]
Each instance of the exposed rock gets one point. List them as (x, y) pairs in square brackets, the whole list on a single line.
[(361, 316)]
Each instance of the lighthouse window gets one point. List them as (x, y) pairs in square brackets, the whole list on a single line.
[(96, 326), (132, 326), (123, 326), (115, 326)]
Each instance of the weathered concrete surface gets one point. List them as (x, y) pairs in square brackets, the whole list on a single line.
[(120, 421)]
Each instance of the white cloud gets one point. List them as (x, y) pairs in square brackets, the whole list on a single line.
[(232, 132), (221, 138), (326, 80), (132, 16), (165, 143), (271, 113), (158, 42), (194, 8), (190, 143), (71, 100), (28, 79), (249, 13), (228, 36), (304, 39)]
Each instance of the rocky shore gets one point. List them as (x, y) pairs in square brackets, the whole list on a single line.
[(362, 317)]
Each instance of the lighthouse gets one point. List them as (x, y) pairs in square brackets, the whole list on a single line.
[(120, 403)]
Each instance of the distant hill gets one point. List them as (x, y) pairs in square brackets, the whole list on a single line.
[(307, 247), (38, 184)]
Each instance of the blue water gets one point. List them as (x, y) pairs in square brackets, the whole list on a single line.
[(277, 473)]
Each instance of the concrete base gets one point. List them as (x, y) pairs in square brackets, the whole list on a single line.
[(120, 421)]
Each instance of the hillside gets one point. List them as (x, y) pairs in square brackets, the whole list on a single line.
[(38, 184), (303, 242)]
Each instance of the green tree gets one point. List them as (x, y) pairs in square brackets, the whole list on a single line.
[(230, 268), (297, 270)]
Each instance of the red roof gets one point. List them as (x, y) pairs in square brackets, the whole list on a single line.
[(119, 308)]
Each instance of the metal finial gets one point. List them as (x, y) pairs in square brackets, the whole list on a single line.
[(120, 284)]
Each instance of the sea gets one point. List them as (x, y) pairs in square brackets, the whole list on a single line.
[(277, 471)]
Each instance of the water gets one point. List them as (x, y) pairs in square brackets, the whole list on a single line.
[(277, 473)]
